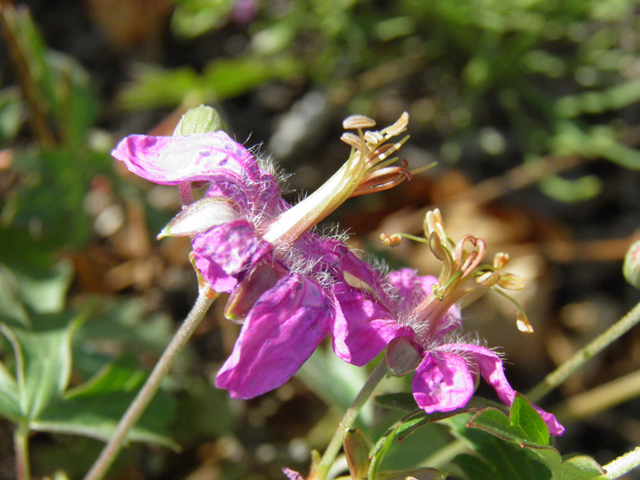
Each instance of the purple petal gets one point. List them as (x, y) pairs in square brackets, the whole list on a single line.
[(362, 327), (411, 287), (188, 158), (232, 247), (492, 370), (442, 382), (280, 333)]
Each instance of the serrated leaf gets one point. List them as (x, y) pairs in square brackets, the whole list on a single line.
[(526, 417), (508, 450), (43, 360), (507, 460), (498, 424), (419, 419), (94, 408)]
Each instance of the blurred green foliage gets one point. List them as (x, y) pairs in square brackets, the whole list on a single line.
[(543, 74)]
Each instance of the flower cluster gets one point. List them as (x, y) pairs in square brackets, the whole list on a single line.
[(290, 287), (249, 242)]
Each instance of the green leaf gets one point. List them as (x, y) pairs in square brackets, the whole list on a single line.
[(94, 409), (64, 174), (356, 448), (475, 467), (31, 276), (9, 399), (399, 401), (43, 360), (526, 417), (381, 448), (507, 460), (416, 420), (514, 448), (498, 424)]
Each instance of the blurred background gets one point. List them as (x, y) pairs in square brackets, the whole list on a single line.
[(530, 108)]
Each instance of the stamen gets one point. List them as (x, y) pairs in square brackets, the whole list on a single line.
[(380, 180), (500, 260), (511, 281), (358, 121), (373, 137), (522, 322), (433, 223), (398, 127), (397, 237), (351, 140), (391, 240), (488, 279)]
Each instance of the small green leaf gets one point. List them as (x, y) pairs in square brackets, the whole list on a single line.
[(356, 448), (398, 401), (526, 417), (380, 450), (498, 424)]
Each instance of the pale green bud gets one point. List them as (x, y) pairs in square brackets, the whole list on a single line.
[(202, 119)]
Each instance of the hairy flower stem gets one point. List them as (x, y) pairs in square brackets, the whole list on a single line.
[(349, 418), (623, 464), (149, 389), (583, 355), (21, 446)]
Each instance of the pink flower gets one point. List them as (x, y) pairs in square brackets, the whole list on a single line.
[(249, 242), (423, 319)]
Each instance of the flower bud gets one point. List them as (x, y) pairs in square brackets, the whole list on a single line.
[(631, 267), (202, 119), (356, 449)]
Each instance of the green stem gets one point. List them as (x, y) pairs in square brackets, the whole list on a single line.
[(583, 355), (149, 389), (623, 464), (21, 446), (322, 468)]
